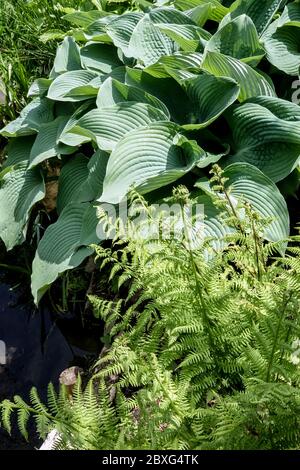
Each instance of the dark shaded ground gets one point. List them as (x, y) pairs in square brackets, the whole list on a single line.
[(36, 353)]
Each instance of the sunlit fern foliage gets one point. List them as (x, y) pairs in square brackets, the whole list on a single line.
[(202, 348)]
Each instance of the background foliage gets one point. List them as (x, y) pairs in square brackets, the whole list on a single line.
[(23, 55)]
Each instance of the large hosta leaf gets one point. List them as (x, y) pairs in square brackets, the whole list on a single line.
[(190, 38), (290, 15), (97, 30), (64, 246), (18, 150), (282, 47), (81, 179), (36, 113), (47, 143), (108, 125), (39, 88), (99, 57), (166, 89), (67, 57), (249, 184), (66, 137), (20, 189), (169, 15), (283, 109), (213, 227), (113, 92), (216, 12), (92, 188), (238, 39), (121, 29), (251, 82), (210, 97), (183, 61), (77, 85), (261, 12), (148, 158), (148, 43), (72, 175), (266, 133), (200, 14)]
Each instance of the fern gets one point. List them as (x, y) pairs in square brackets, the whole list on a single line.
[(202, 349)]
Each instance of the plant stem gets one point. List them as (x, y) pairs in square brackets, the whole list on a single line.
[(270, 364), (196, 277), (14, 268), (255, 238)]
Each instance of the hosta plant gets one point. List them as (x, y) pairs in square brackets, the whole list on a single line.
[(146, 99)]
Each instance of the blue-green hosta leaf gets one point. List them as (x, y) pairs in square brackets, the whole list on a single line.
[(290, 15), (190, 38), (217, 10), (74, 111), (282, 109), (266, 133), (97, 30), (148, 43), (260, 12), (92, 188), (213, 146), (81, 180), (118, 73), (121, 29), (148, 158), (78, 85), (237, 38), (72, 175), (20, 189), (66, 137), (40, 87), (36, 113), (108, 125), (84, 92), (210, 96), (99, 57), (166, 89), (180, 75), (169, 15), (113, 92), (282, 47), (186, 61), (200, 14), (67, 57), (64, 246), (18, 150), (249, 184), (47, 143), (213, 226), (251, 82), (63, 108)]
